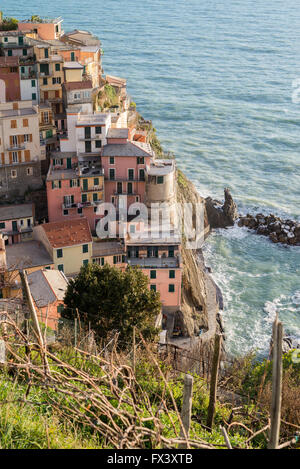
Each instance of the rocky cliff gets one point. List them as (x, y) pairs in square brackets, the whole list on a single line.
[(200, 295)]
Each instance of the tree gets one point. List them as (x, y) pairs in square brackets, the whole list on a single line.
[(113, 300), (9, 24)]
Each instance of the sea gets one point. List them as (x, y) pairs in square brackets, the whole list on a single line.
[(220, 81)]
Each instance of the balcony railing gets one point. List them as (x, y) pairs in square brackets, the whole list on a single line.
[(16, 147)]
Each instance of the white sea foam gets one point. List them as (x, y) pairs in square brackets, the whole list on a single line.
[(296, 298)]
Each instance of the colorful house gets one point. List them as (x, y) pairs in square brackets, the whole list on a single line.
[(69, 243), (48, 289), (16, 222), (124, 165)]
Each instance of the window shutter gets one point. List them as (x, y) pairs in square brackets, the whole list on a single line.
[(30, 137), (10, 157), (19, 156), (13, 124), (27, 155), (2, 158), (25, 122), (11, 140)]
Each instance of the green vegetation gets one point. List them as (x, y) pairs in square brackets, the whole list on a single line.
[(108, 98), (112, 300), (9, 24)]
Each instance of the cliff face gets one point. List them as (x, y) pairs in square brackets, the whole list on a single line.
[(200, 305)]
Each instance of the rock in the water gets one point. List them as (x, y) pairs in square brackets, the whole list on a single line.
[(221, 216)]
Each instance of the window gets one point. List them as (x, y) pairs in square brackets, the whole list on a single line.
[(32, 83), (56, 184), (88, 146), (72, 56), (171, 251), (26, 138), (129, 187), (119, 188), (21, 40), (142, 175), (13, 174), (29, 171), (140, 160), (59, 253), (98, 130), (13, 124), (152, 273), (171, 288), (9, 53), (153, 287), (115, 259), (46, 53), (66, 212), (60, 309), (160, 179), (96, 181), (2, 225), (111, 160), (56, 80), (87, 132), (95, 197), (83, 198), (111, 174), (6, 39), (44, 69), (130, 174), (33, 96), (49, 133), (45, 81), (22, 69), (132, 228), (60, 267), (85, 248), (45, 117), (15, 157), (85, 262), (171, 273), (98, 143), (57, 67), (24, 51), (79, 211), (25, 123), (28, 222)]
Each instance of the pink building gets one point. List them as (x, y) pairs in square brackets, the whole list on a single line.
[(74, 188), (45, 29), (159, 258), (124, 165)]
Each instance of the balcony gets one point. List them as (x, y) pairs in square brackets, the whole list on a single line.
[(93, 189), (16, 147)]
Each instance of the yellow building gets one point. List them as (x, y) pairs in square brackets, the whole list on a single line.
[(69, 243)]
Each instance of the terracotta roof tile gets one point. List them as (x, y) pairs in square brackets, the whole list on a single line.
[(68, 233)]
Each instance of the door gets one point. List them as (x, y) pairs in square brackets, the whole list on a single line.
[(88, 146), (14, 226), (69, 163)]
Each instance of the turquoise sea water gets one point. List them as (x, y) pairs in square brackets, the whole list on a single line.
[(216, 79)]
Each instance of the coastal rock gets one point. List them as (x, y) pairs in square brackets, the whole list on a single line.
[(221, 216), (278, 230)]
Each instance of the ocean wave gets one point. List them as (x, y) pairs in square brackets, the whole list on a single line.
[(296, 298)]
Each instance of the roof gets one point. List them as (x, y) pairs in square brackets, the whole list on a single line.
[(9, 61), (68, 233), (160, 167), (72, 64), (25, 255), (47, 286), (127, 149), (78, 85), (117, 133), (83, 37), (11, 212), (107, 248), (117, 81)]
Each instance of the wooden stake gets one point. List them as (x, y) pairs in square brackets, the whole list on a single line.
[(276, 385), (226, 437), (186, 411), (134, 354), (33, 314), (213, 382)]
